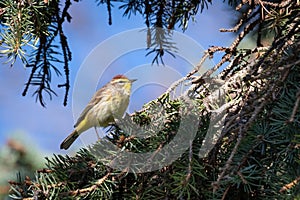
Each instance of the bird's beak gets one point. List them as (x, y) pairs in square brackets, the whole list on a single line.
[(132, 80)]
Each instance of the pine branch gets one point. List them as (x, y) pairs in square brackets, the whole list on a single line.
[(91, 189), (255, 155), (296, 107), (290, 185), (33, 24)]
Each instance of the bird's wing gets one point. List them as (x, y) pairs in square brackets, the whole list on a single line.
[(95, 99)]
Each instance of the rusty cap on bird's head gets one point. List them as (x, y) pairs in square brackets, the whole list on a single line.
[(120, 76)]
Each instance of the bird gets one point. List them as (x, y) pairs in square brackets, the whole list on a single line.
[(107, 105)]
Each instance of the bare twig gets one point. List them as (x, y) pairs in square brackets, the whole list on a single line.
[(296, 106), (189, 170), (188, 76), (88, 189), (216, 184), (225, 193), (290, 185)]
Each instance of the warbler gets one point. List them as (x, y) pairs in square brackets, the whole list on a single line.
[(107, 104)]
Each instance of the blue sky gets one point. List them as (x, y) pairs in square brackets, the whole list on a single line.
[(45, 128)]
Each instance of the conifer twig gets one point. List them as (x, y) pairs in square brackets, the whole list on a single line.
[(290, 185), (189, 170), (189, 75), (216, 184), (296, 106), (88, 189)]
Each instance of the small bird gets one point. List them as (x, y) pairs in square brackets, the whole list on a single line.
[(107, 104)]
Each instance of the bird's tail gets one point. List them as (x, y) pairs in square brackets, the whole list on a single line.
[(69, 140)]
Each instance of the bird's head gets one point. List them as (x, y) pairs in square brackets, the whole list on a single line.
[(123, 83)]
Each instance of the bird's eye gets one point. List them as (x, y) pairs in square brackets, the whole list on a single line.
[(122, 82)]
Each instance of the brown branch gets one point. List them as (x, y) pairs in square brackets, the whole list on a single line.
[(78, 192), (189, 170), (189, 75), (225, 193), (242, 130), (242, 177), (199, 65), (246, 30), (216, 184), (280, 5), (229, 51), (240, 23), (290, 185), (161, 145), (296, 106)]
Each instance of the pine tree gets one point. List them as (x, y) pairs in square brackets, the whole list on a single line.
[(255, 156)]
